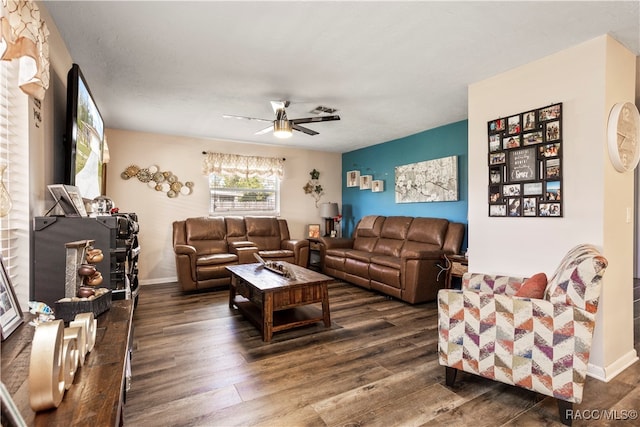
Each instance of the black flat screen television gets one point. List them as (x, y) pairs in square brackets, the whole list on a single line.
[(84, 138)]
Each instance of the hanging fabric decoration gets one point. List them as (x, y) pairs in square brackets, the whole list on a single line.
[(24, 36), (248, 166)]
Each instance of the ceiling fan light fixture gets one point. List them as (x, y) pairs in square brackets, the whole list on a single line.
[(282, 128)]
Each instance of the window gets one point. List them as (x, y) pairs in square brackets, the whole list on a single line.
[(243, 184), (244, 195), (14, 154)]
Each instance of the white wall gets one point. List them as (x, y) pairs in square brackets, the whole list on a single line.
[(45, 139), (594, 198), (183, 156)]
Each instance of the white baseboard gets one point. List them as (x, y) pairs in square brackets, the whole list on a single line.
[(157, 281), (607, 373)]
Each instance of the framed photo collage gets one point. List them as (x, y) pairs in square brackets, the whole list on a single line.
[(525, 164)]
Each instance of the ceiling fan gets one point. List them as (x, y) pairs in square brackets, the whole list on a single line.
[(282, 127)]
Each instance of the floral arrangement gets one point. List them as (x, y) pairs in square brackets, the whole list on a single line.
[(313, 186)]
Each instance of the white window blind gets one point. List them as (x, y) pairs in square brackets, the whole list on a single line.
[(243, 195), (14, 152)]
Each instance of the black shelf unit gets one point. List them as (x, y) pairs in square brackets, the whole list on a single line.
[(116, 235)]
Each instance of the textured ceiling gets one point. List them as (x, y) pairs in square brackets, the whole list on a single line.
[(390, 68)]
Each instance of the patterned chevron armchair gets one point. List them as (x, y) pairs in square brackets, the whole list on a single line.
[(539, 342)]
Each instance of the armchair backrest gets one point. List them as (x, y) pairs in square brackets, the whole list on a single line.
[(577, 279)]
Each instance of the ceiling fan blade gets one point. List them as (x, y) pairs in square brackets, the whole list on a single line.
[(315, 119), (265, 130), (303, 129), (230, 116)]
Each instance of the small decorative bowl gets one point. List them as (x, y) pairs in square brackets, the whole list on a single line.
[(93, 280), (86, 270), (85, 292)]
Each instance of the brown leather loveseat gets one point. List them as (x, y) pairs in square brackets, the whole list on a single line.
[(397, 255), (205, 246)]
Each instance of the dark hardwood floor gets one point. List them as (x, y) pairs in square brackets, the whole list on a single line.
[(198, 363)]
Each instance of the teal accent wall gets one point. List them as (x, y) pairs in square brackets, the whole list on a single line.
[(381, 160)]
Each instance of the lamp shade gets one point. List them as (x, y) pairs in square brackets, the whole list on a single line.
[(329, 210)]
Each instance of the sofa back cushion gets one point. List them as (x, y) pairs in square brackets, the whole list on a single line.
[(367, 233), (264, 231), (454, 238), (236, 230), (577, 279), (392, 235), (284, 229), (207, 235), (425, 234)]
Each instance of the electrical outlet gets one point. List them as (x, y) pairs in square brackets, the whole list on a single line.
[(628, 215)]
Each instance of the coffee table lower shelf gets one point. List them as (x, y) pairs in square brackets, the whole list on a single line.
[(288, 318)]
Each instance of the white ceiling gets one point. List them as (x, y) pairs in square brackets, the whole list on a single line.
[(392, 69)]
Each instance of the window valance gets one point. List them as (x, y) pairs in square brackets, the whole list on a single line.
[(24, 36), (235, 164)]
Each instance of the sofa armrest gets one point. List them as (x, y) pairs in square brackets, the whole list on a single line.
[(184, 250), (336, 242), (186, 257), (300, 250), (245, 250), (422, 255), (233, 246), (532, 343), (294, 245)]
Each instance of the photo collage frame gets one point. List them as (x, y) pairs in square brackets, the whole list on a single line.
[(525, 164)]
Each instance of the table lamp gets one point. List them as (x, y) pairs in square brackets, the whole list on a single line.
[(328, 211)]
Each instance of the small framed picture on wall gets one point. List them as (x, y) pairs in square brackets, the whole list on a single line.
[(365, 182), (353, 179)]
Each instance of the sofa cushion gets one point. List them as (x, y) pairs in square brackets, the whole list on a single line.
[(216, 259), (428, 230), (396, 227), (279, 253), (367, 233), (387, 261), (359, 255), (392, 235), (263, 231), (236, 230), (385, 274), (207, 235), (533, 287)]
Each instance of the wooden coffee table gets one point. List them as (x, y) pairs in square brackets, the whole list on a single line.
[(273, 302)]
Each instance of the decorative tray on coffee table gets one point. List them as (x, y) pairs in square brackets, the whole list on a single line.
[(277, 267)]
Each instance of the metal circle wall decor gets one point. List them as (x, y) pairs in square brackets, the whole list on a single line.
[(162, 181)]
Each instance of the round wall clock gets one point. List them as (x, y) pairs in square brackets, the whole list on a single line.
[(623, 136)]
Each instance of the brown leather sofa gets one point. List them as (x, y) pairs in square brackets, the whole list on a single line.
[(398, 255), (204, 247)]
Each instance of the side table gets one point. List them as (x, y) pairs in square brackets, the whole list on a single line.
[(315, 262), (456, 265)]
